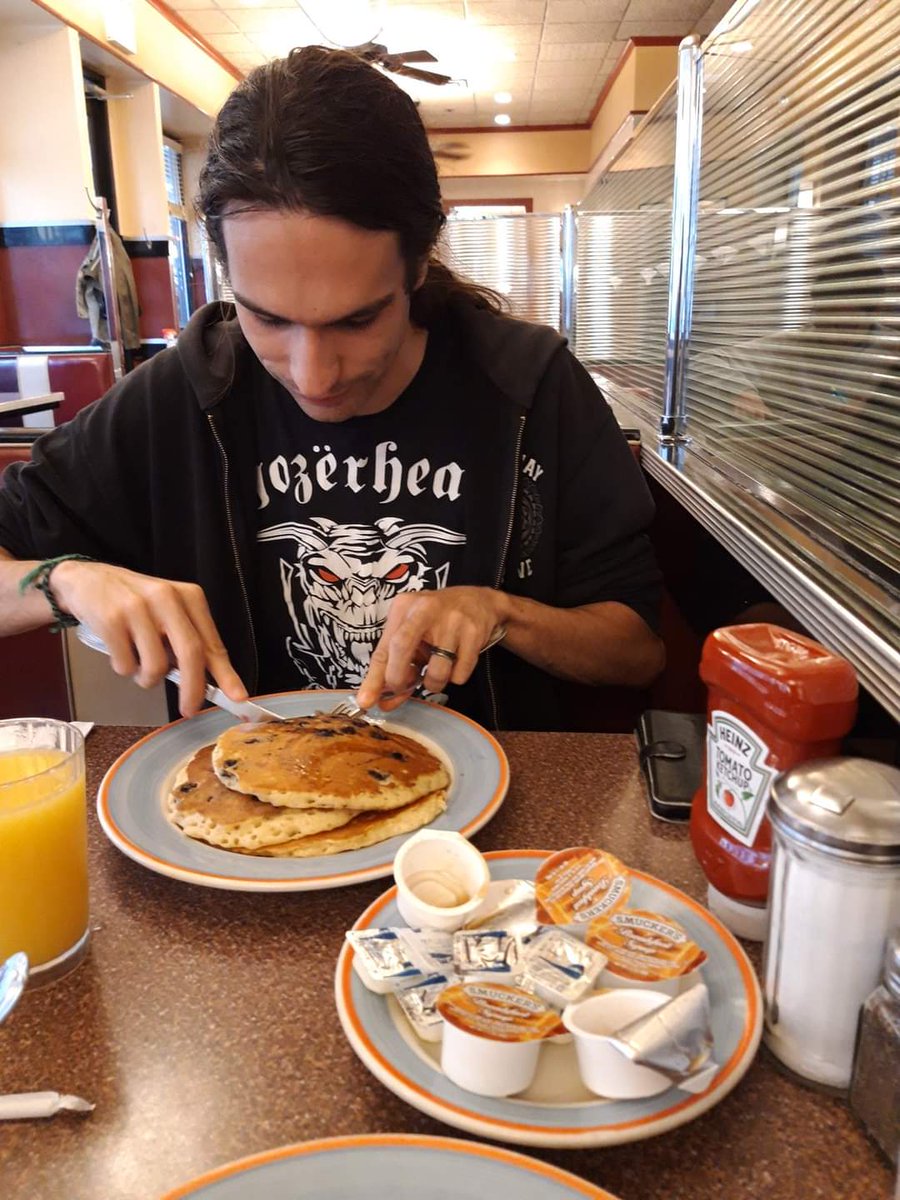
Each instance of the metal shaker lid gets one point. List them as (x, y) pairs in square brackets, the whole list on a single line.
[(847, 807)]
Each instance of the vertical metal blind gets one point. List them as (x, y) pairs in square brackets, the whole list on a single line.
[(793, 375), (623, 250), (517, 256)]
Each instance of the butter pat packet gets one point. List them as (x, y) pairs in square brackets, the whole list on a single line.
[(384, 959), (559, 968), (432, 948), (487, 955), (418, 1004)]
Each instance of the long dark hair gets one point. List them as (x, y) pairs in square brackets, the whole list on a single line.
[(322, 131)]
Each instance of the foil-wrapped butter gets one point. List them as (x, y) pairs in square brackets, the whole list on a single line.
[(384, 959), (509, 904), (559, 968), (675, 1039), (486, 954), (419, 1005)]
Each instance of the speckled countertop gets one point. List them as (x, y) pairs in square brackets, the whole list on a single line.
[(203, 1025)]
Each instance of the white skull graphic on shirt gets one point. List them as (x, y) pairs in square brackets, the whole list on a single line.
[(338, 588)]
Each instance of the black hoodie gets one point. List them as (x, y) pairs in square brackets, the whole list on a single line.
[(159, 476)]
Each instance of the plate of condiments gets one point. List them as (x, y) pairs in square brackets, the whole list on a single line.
[(586, 1002)]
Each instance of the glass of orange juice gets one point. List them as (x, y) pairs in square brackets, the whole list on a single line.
[(43, 845)]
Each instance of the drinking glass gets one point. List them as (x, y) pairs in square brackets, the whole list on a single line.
[(43, 845)]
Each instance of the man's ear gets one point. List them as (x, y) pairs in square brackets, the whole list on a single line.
[(420, 274)]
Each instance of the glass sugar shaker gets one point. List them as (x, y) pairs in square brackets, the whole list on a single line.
[(875, 1086), (834, 897)]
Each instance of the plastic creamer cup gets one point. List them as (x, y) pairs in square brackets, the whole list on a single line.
[(575, 886), (605, 1070), (645, 950), (492, 1036), (442, 879)]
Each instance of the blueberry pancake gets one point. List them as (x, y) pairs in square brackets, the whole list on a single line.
[(327, 761), (365, 829), (204, 809)]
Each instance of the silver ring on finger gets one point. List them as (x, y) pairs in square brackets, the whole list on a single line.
[(442, 652)]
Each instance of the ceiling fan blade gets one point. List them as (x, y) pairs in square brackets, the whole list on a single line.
[(414, 56), (452, 155), (425, 76)]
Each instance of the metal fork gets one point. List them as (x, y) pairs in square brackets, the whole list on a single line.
[(247, 710), (349, 708)]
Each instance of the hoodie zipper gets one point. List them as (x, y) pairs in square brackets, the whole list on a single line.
[(504, 554), (234, 547)]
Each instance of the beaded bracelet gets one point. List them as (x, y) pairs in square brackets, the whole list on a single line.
[(40, 578)]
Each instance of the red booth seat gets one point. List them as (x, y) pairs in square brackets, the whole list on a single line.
[(82, 378)]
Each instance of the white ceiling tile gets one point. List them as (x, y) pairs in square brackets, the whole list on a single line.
[(665, 10), (528, 33), (572, 51), (228, 43), (190, 5), (506, 12), (594, 32), (247, 61), (614, 51), (208, 21), (233, 6), (652, 28), (708, 20), (580, 69), (566, 11)]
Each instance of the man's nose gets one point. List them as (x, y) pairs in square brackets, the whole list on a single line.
[(314, 366)]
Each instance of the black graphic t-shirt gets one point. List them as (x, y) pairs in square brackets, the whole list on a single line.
[(349, 515)]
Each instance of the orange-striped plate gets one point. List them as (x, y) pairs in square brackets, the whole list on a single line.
[(401, 1166), (557, 1110), (131, 799)]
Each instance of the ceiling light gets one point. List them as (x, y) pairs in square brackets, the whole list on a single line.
[(502, 119), (502, 97)]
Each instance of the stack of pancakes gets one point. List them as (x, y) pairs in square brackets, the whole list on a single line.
[(307, 786)]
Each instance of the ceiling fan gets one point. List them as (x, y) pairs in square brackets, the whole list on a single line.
[(398, 64), (452, 151)]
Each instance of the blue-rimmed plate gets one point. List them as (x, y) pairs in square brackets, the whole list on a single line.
[(131, 799), (557, 1110), (401, 1166)]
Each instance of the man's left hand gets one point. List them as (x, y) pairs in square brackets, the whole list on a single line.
[(441, 631)]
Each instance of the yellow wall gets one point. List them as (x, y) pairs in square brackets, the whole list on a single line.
[(135, 134), (44, 148), (529, 152), (164, 54)]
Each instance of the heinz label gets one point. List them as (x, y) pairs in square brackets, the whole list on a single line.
[(738, 776)]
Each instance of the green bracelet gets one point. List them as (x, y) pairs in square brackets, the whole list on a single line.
[(40, 578)]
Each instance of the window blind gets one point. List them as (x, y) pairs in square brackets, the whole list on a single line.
[(793, 373), (516, 256)]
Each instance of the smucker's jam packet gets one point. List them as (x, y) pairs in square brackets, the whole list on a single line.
[(577, 885), (498, 1011), (644, 945)]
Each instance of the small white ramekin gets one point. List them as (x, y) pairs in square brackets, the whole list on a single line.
[(605, 1070), (442, 879)]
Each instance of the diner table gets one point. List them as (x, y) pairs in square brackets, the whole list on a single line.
[(203, 1026)]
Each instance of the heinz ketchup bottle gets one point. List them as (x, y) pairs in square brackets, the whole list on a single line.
[(776, 698)]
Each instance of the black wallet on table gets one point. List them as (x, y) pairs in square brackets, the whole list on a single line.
[(671, 746)]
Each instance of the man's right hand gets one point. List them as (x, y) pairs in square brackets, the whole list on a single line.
[(149, 626)]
